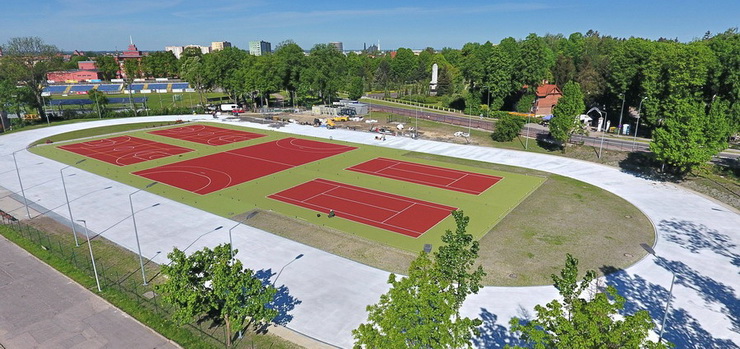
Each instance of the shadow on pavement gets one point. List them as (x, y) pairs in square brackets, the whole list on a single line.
[(283, 302)]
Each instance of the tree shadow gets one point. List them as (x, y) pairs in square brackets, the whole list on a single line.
[(697, 237), (545, 141), (643, 165), (283, 302), (681, 328), (493, 334)]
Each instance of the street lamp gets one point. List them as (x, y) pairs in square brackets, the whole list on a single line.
[(23, 193), (670, 292), (136, 231), (532, 111), (69, 207), (283, 268), (621, 111), (634, 140), (202, 235), (603, 131), (92, 257), (231, 243)]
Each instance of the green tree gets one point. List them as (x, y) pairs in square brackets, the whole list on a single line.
[(403, 65), (99, 99), (192, 69), (107, 66), (324, 72), (132, 68), (422, 310), (26, 60), (290, 61), (160, 64), (577, 322), (221, 67), (536, 60), (687, 137), (211, 283), (508, 128), (565, 114), (356, 88)]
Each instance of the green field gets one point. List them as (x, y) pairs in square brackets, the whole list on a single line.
[(485, 210)]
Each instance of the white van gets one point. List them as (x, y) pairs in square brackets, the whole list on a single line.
[(229, 107)]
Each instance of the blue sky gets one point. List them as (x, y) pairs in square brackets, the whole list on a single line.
[(153, 24)]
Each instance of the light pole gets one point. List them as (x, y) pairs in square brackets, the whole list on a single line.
[(202, 235), (69, 207), (231, 243), (136, 231), (621, 111), (670, 292), (634, 139), (603, 131), (283, 268), (92, 257), (23, 193)]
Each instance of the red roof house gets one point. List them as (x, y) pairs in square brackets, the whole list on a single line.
[(547, 97)]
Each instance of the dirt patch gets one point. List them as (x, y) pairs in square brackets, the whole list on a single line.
[(330, 240)]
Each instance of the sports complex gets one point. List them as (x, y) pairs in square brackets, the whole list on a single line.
[(211, 174), (370, 191)]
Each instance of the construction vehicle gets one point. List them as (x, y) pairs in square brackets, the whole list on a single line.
[(330, 124), (340, 118)]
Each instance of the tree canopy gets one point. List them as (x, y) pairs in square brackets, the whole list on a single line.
[(211, 283), (422, 310), (577, 322)]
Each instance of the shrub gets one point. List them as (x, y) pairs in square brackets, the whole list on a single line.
[(507, 128)]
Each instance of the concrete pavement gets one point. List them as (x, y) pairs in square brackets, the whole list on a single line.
[(41, 308), (324, 296)]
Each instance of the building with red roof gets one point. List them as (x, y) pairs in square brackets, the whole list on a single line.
[(547, 97)]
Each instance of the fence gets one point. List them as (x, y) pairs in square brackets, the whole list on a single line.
[(124, 281)]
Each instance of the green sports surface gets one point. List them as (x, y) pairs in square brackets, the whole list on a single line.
[(485, 210)]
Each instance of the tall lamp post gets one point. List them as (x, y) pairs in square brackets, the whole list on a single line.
[(634, 139), (231, 242), (670, 292), (603, 131), (136, 231), (69, 207), (92, 257), (23, 193), (621, 111)]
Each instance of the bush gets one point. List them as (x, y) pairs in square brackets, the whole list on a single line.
[(525, 103), (507, 128)]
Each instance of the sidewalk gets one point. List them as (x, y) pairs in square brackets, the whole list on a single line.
[(41, 308)]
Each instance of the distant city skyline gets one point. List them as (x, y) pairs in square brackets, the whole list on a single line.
[(106, 26)]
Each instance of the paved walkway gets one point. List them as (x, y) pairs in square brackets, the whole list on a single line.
[(41, 308), (324, 296)]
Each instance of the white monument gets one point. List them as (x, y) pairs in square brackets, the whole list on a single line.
[(433, 83)]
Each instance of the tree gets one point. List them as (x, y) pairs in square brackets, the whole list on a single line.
[(565, 114), (290, 62), (160, 64), (211, 283), (356, 88), (99, 99), (324, 72), (687, 137), (27, 60), (107, 66), (508, 128), (422, 309), (192, 69), (132, 68), (584, 323), (535, 61)]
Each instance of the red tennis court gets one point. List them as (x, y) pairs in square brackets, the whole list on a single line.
[(124, 150), (440, 177), (211, 173), (209, 135), (387, 211)]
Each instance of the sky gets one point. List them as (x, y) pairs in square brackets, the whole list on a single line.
[(106, 25)]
